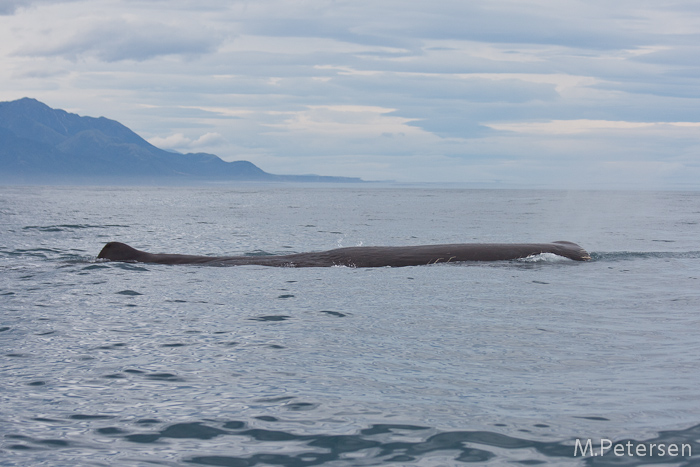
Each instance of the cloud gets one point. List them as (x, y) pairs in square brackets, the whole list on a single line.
[(139, 40), (181, 143), (10, 7), (562, 127), (347, 120)]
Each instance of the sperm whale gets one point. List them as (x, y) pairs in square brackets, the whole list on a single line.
[(360, 256)]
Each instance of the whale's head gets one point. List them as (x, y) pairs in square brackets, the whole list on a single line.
[(571, 250), (115, 251)]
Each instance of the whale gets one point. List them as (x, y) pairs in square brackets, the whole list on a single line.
[(359, 256)]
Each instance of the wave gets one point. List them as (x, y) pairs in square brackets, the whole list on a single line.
[(634, 255), (47, 254), (394, 444), (545, 258), (64, 227)]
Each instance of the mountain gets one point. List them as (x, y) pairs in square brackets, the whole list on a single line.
[(39, 144)]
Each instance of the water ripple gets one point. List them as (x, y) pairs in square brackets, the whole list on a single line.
[(632, 255), (373, 445), (376, 444), (65, 227)]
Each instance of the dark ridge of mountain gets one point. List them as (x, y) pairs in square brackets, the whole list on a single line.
[(39, 144)]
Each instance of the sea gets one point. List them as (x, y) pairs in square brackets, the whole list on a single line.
[(538, 361)]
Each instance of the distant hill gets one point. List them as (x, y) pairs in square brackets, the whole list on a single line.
[(39, 144)]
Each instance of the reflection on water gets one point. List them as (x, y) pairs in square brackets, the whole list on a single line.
[(239, 444)]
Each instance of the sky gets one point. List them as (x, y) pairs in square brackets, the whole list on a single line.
[(537, 93)]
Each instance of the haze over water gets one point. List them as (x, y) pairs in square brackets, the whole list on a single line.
[(133, 364)]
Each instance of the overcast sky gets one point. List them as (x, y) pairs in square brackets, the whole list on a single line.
[(542, 93)]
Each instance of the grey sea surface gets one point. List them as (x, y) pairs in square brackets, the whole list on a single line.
[(489, 363)]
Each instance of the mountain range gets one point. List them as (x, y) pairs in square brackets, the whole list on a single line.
[(39, 144)]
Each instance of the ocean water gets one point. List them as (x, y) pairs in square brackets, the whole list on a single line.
[(506, 363)]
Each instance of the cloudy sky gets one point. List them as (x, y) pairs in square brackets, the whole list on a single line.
[(542, 93)]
